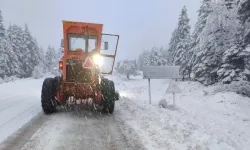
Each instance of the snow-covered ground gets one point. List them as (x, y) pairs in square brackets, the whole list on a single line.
[(19, 103), (203, 119)]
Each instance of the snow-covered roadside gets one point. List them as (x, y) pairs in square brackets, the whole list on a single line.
[(20, 102), (203, 120)]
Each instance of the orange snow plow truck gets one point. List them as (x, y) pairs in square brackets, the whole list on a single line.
[(88, 55)]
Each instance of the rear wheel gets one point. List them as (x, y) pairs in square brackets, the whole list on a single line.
[(48, 96), (108, 95)]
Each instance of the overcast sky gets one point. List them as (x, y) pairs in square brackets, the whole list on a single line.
[(140, 23)]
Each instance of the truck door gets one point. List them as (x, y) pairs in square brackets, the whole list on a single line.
[(109, 45)]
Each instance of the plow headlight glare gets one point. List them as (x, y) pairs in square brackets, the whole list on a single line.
[(97, 60)]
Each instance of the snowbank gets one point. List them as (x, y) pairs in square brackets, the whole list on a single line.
[(20, 102), (204, 119)]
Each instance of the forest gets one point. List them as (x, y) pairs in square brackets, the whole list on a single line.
[(20, 53), (216, 50)]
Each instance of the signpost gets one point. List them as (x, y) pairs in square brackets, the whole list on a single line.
[(173, 88), (160, 72)]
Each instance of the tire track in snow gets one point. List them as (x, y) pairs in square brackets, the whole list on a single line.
[(12, 124), (7, 96), (11, 103), (18, 116), (24, 133), (72, 130), (14, 111)]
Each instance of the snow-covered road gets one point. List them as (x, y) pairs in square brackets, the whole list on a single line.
[(72, 131), (19, 103), (24, 126), (203, 120)]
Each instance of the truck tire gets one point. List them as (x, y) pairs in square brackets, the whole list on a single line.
[(48, 96), (57, 81), (108, 91)]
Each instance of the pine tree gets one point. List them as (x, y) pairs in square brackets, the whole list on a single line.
[(172, 47), (180, 41), (143, 59), (2, 28), (164, 56), (184, 38), (203, 13), (146, 61), (40, 69), (19, 51), (156, 57), (244, 15), (215, 40), (235, 60), (230, 4), (3, 57), (32, 46), (41, 55), (35, 52), (140, 62), (42, 60), (50, 59), (28, 53), (59, 55), (15, 50)]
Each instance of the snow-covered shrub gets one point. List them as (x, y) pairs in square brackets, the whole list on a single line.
[(37, 72), (127, 68), (163, 103), (10, 79), (240, 87), (205, 93)]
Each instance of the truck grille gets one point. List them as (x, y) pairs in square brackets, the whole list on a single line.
[(76, 73)]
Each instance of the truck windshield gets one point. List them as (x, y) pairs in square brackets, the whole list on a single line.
[(79, 41)]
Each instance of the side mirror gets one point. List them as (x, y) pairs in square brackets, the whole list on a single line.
[(62, 43), (106, 45)]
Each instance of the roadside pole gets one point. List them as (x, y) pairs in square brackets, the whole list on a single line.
[(173, 88), (174, 100), (149, 91)]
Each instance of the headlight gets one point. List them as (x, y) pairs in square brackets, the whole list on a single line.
[(97, 60)]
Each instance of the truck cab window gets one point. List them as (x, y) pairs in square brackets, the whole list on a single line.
[(76, 41)]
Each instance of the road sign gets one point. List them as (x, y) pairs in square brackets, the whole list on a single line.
[(173, 88), (161, 72)]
